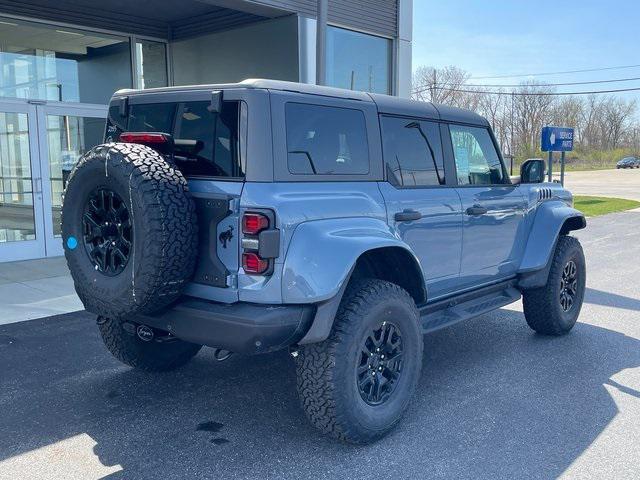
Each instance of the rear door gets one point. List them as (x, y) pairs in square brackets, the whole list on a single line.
[(208, 152), (421, 200), (493, 208)]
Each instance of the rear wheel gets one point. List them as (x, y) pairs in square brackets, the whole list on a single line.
[(143, 347), (356, 384), (554, 308)]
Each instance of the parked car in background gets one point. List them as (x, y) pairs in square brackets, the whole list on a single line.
[(629, 162)]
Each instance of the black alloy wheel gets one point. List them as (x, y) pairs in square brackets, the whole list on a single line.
[(568, 285), (107, 231), (380, 363)]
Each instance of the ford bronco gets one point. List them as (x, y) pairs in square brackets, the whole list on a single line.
[(340, 225)]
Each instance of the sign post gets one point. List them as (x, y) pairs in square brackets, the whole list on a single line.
[(556, 139)]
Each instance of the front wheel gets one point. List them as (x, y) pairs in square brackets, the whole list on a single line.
[(356, 384), (554, 308)]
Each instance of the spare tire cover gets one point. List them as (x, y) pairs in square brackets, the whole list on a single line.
[(129, 230)]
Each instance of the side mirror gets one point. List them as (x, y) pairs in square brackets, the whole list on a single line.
[(532, 171)]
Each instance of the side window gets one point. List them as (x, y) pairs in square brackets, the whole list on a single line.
[(477, 161), (326, 140), (412, 151)]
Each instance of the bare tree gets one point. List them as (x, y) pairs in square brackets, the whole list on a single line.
[(439, 85), (517, 117)]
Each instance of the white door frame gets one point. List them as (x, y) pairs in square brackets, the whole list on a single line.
[(53, 244), (21, 250), (45, 243)]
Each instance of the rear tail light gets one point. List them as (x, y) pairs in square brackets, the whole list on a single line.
[(253, 263), (260, 243), (254, 223)]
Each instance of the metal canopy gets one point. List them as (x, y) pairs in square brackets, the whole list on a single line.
[(166, 19)]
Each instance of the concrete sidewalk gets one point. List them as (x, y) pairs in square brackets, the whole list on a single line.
[(35, 289)]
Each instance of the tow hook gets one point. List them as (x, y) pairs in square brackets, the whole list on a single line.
[(220, 354), (145, 333)]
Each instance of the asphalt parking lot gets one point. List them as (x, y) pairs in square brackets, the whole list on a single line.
[(495, 400)]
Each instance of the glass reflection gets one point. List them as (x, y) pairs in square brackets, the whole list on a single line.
[(69, 138), (17, 220), (358, 61), (54, 63)]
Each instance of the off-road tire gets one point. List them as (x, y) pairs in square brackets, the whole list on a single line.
[(163, 215), (150, 356), (326, 371), (542, 308)]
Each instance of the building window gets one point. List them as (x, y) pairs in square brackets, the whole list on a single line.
[(55, 63), (358, 61), (151, 58)]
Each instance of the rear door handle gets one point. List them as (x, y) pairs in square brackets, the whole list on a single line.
[(407, 216), (477, 210)]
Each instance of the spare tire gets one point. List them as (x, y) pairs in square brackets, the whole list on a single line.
[(129, 230)]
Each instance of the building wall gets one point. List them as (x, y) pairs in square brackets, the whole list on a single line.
[(267, 49), (375, 16)]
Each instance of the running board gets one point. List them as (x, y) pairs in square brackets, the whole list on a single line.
[(453, 310)]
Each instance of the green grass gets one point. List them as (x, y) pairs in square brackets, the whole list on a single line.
[(593, 206)]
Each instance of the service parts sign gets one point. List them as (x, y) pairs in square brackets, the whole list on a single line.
[(557, 139)]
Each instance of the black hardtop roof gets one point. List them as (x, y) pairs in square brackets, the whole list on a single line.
[(385, 104)]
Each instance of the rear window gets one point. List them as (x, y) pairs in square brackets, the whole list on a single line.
[(206, 143), (325, 140)]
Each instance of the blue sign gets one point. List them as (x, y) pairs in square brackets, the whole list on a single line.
[(557, 139)]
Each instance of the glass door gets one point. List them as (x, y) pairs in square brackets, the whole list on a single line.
[(22, 232), (67, 132)]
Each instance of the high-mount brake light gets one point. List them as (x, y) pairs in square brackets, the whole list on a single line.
[(254, 223), (252, 263), (142, 137)]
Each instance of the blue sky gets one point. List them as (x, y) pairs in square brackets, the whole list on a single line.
[(503, 37)]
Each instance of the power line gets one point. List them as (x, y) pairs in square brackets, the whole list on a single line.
[(555, 73), (548, 94), (552, 84), (592, 92)]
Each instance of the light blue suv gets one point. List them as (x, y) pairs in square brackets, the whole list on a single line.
[(341, 225)]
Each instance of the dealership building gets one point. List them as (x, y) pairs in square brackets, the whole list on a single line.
[(61, 61)]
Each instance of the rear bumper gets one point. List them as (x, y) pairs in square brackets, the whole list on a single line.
[(240, 327)]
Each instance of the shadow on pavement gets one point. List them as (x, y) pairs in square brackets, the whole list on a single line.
[(495, 401), (608, 299)]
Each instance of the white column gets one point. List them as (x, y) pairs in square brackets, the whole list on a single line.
[(403, 44), (307, 49)]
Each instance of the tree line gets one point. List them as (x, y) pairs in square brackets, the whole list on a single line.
[(602, 123)]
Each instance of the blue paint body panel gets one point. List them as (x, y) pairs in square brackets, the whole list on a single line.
[(436, 238), (493, 242)]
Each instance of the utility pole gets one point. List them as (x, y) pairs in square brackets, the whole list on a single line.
[(434, 90), (321, 42), (511, 146)]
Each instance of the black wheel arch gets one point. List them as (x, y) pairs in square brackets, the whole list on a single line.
[(392, 264)]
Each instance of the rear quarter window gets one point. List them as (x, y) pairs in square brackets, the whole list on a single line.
[(324, 140)]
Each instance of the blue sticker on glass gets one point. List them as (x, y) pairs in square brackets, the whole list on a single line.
[(72, 243)]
